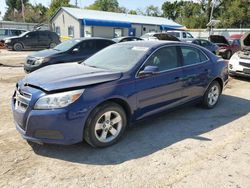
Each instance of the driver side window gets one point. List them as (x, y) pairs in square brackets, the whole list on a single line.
[(165, 58), (31, 35)]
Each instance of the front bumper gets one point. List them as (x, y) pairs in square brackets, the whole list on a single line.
[(9, 45), (30, 68), (58, 126), (239, 73), (240, 68)]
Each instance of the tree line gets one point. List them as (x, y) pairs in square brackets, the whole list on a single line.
[(192, 14)]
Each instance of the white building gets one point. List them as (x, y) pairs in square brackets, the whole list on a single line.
[(76, 22)]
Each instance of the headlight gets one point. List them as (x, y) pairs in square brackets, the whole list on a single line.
[(7, 41), (234, 59), (41, 60), (58, 100)]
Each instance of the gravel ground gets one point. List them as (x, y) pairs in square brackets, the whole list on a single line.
[(190, 147)]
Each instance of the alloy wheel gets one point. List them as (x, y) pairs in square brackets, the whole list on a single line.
[(213, 95), (108, 126)]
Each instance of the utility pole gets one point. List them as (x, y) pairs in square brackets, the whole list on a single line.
[(212, 10), (76, 3), (211, 16)]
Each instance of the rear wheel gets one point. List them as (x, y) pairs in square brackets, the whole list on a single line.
[(105, 125), (212, 95), (52, 45), (18, 47)]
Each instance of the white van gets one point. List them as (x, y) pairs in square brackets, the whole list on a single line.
[(182, 35)]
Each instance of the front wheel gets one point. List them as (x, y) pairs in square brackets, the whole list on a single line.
[(52, 45), (105, 125), (212, 95), (18, 47)]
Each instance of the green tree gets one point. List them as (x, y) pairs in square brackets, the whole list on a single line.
[(122, 10), (171, 10), (56, 4), (191, 15), (36, 13), (153, 11), (105, 5), (237, 14), (14, 9), (134, 12)]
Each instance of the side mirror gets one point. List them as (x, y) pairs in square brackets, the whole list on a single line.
[(148, 71), (75, 50)]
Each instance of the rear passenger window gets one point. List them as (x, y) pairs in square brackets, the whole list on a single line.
[(205, 43), (100, 44), (192, 55), (165, 59), (88, 47), (43, 35)]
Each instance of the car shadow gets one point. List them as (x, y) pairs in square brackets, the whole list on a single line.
[(153, 134)]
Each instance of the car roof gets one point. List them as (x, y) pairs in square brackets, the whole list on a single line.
[(151, 44), (202, 39), (124, 37), (91, 38), (127, 37), (14, 29)]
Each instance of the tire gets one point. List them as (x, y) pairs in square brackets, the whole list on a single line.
[(212, 95), (228, 54), (18, 47), (101, 130), (52, 45)]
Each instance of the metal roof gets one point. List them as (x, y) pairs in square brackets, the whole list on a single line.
[(81, 14)]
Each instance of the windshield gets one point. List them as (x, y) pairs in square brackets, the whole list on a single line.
[(117, 57), (24, 33), (66, 45)]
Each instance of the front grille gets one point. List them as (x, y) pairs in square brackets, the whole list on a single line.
[(245, 64), (21, 100)]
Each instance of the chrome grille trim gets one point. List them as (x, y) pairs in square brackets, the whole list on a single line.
[(244, 64), (21, 100)]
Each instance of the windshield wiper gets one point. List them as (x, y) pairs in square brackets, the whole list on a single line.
[(89, 65)]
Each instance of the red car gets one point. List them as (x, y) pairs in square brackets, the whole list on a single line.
[(226, 47)]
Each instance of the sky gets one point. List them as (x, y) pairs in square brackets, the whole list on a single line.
[(129, 4)]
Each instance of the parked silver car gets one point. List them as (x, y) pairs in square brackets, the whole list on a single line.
[(5, 33)]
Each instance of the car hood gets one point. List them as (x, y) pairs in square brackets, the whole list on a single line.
[(245, 41), (218, 39), (45, 53), (68, 76), (14, 37)]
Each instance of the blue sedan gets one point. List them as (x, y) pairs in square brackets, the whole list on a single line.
[(123, 83), (207, 44)]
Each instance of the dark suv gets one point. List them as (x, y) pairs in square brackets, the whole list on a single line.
[(33, 40), (74, 50)]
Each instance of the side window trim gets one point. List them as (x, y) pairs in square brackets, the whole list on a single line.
[(200, 51), (179, 61)]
